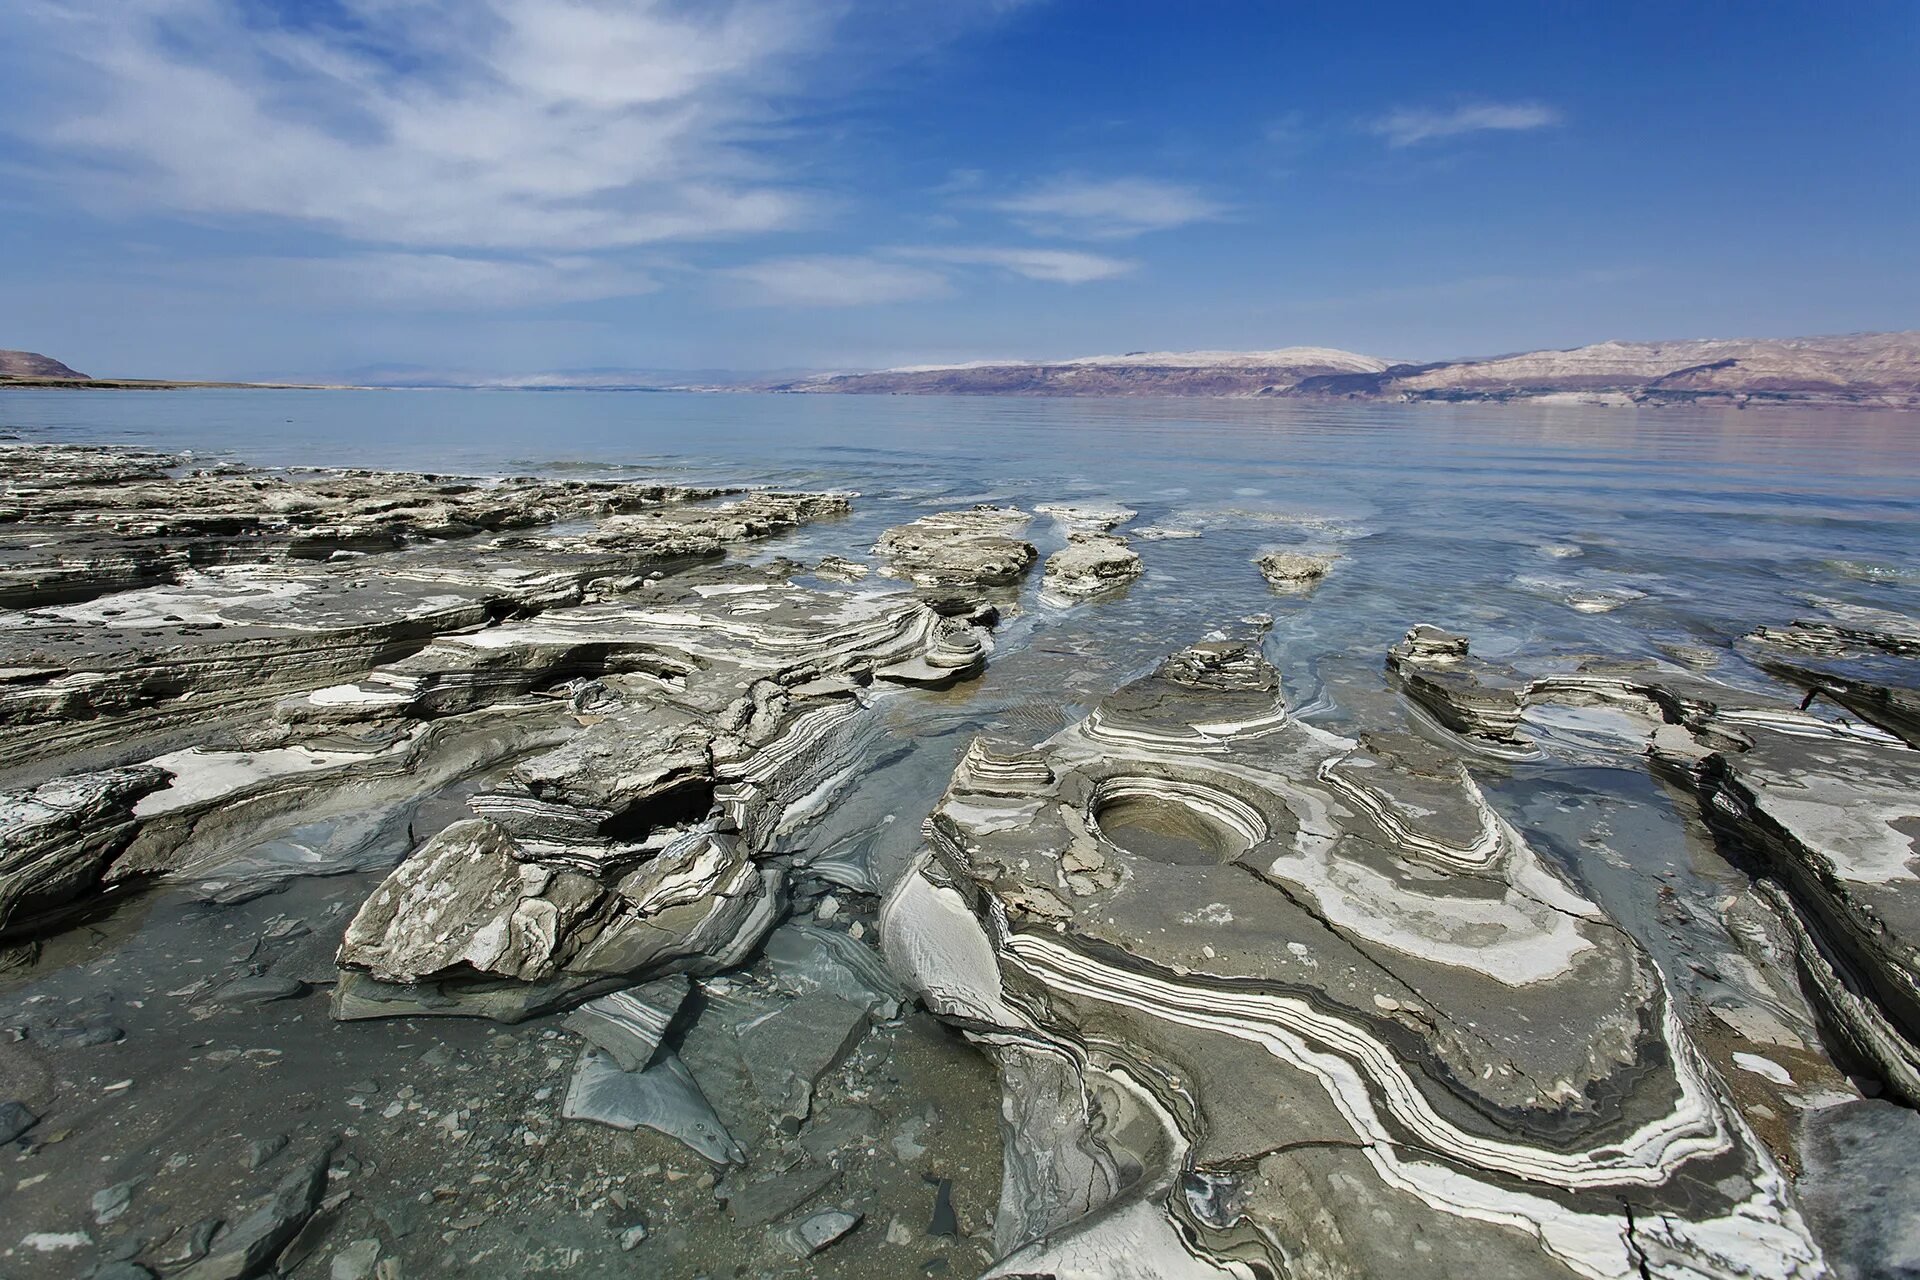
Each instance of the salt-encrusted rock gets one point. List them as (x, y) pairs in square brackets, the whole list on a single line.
[(712, 728), (1293, 571), (86, 521), (228, 589), (1866, 660), (470, 903), (840, 569), (1088, 517), (979, 547), (1091, 564), (56, 838), (1470, 697), (1289, 987)]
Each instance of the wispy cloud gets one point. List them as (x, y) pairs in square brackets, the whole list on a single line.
[(1055, 266), (1107, 208), (445, 282), (559, 125), (826, 280), (1410, 126)]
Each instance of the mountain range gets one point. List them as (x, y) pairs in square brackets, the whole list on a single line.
[(1869, 369), (1865, 368)]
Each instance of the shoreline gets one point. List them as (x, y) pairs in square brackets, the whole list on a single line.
[(1609, 399)]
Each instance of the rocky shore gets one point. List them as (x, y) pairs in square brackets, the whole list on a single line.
[(408, 875)]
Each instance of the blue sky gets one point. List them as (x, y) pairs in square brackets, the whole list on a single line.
[(213, 188)]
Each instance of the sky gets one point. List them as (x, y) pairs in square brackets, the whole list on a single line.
[(331, 188)]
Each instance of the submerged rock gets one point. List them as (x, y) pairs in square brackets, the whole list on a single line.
[(1261, 989), (1859, 1193)]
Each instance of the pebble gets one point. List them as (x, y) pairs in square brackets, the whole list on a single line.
[(356, 1261), (15, 1120), (111, 1202), (812, 1234)]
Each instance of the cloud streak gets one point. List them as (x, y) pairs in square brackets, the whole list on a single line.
[(1054, 266), (445, 282), (829, 280), (1107, 208), (1411, 126)]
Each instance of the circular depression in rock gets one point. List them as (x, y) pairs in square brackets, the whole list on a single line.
[(1184, 823)]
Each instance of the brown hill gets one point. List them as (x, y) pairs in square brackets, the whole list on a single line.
[(31, 364)]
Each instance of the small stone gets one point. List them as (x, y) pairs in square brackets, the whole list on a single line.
[(15, 1120), (356, 1261), (632, 1237), (812, 1234), (943, 1222), (110, 1203)]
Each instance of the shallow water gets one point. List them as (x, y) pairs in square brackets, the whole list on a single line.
[(1538, 531)]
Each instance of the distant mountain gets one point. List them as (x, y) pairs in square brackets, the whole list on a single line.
[(31, 364), (1138, 373), (1867, 368), (1861, 368)]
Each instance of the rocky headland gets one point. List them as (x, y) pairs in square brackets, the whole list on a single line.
[(407, 874)]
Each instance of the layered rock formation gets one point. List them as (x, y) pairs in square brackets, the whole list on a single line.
[(308, 602), (1271, 1001), (711, 726), (1823, 810), (1096, 561), (445, 685)]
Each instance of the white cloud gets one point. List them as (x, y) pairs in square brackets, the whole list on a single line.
[(439, 281), (1056, 266), (555, 125), (825, 280), (1411, 125), (1107, 209)]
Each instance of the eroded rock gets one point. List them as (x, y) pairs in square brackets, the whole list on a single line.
[(1317, 984), (1293, 571), (979, 547), (1091, 564)]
